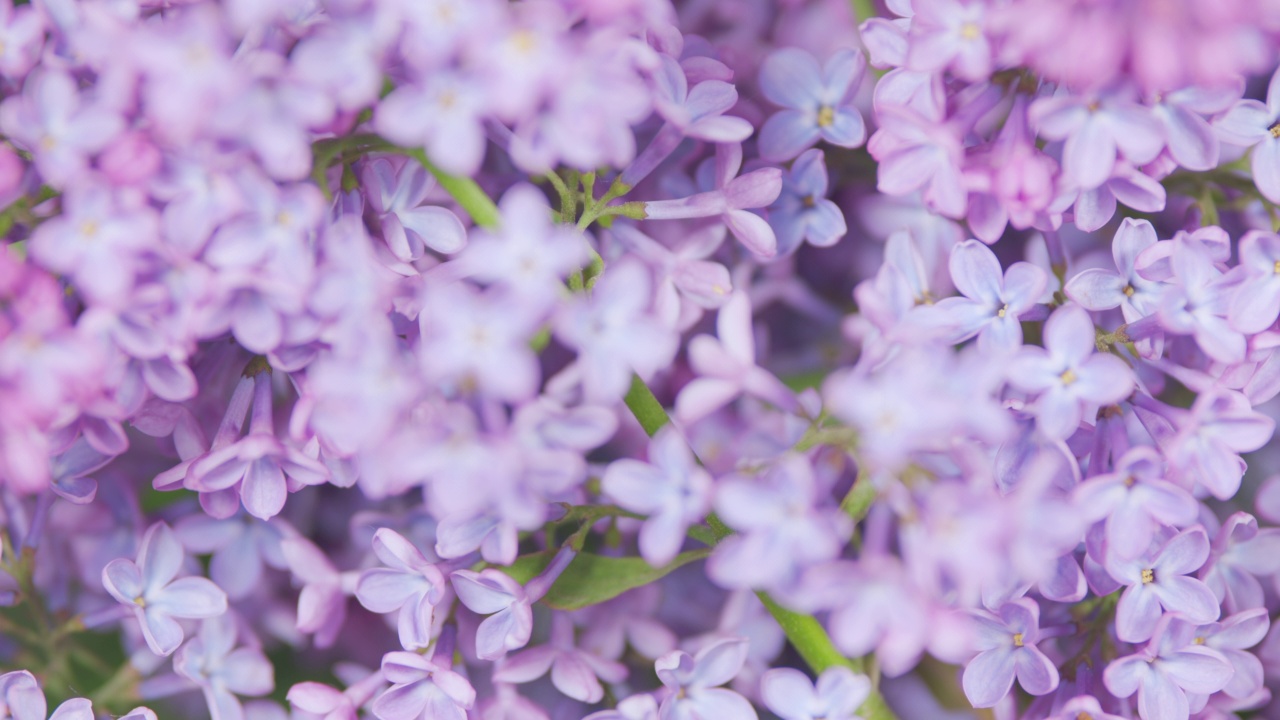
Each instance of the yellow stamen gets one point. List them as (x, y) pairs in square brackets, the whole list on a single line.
[(1198, 641), (88, 228), (1276, 268), (1017, 640), (1275, 130), (1148, 576), (809, 202), (970, 31), (1004, 310), (826, 116), (1068, 376), (1129, 291)]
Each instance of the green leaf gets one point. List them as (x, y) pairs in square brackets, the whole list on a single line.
[(593, 579)]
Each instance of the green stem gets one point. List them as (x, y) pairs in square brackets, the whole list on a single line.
[(465, 192), (645, 406)]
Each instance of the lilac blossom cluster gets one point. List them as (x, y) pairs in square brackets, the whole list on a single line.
[(639, 359)]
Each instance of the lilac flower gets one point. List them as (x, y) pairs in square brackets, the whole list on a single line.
[(1067, 374), (22, 35), (157, 598), (991, 302), (1083, 706), (614, 333), (423, 689), (1095, 207), (1136, 502), (1192, 142), (1007, 644), (781, 530), (322, 602), (408, 226), (1096, 130), (1240, 552), (1256, 303), (410, 584), (1171, 667), (481, 344), (636, 707), (441, 115), (672, 489), (803, 212), (22, 699), (55, 123), (1250, 123), (1232, 637), (1098, 289), (627, 620), (791, 695), (727, 367), (687, 282), (1197, 302), (918, 154), (818, 102), (694, 682), (222, 670), (508, 605), (731, 200), (1159, 580), (949, 34), (1205, 449), (240, 548), (574, 672)]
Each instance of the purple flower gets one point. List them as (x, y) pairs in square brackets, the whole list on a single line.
[(423, 690), (992, 302), (803, 212), (1167, 670), (22, 699), (1157, 582), (1192, 142), (1067, 374), (1240, 552), (1250, 123), (1232, 637), (481, 344), (781, 530), (1098, 289), (222, 670), (574, 672), (157, 598), (637, 707), (493, 593), (949, 34), (917, 153), (1095, 130), (1205, 449), (410, 584), (1007, 645), (408, 226), (791, 695), (55, 123), (322, 602), (818, 101), (727, 367), (672, 489), (240, 548), (694, 682), (688, 283), (1136, 502), (1084, 706), (1256, 303), (615, 334)]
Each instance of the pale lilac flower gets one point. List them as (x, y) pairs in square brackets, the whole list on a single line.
[(694, 682), (918, 153), (782, 528), (442, 115), (1250, 123), (1136, 502), (1067, 375), (727, 367), (640, 706), (1256, 303), (1241, 553), (56, 124), (1007, 645), (1197, 302), (574, 672), (509, 606), (687, 282), (1206, 448), (1095, 207), (949, 34), (1169, 669), (818, 101), (791, 695), (615, 334), (157, 598), (1096, 130), (731, 200), (423, 689), (410, 227), (22, 699), (410, 584), (1098, 289), (322, 602), (1083, 706), (1192, 141), (991, 302), (1158, 581), (672, 489), (802, 211), (241, 547), (478, 341), (1232, 637), (22, 36), (224, 670)]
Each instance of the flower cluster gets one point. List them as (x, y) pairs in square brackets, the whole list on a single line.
[(638, 359)]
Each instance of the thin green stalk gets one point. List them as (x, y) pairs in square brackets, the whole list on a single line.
[(465, 191)]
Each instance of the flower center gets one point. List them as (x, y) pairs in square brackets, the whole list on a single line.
[(1004, 310), (1017, 639), (1129, 290), (970, 31), (88, 229), (1275, 130), (810, 202), (1068, 376), (1276, 268), (827, 116), (1148, 576), (1084, 716)]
